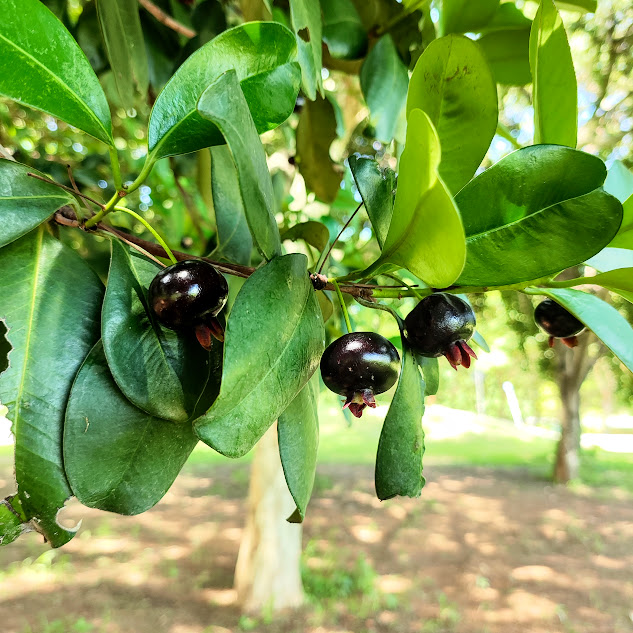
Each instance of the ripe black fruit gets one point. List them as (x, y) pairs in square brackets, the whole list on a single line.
[(441, 324), (558, 322), (189, 294), (359, 365)]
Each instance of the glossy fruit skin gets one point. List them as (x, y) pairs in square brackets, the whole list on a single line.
[(186, 294), (359, 365), (438, 321), (557, 321)]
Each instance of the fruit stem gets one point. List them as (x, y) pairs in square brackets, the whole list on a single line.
[(147, 225), (323, 259), (339, 294)]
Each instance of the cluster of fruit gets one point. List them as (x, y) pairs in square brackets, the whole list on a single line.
[(190, 294)]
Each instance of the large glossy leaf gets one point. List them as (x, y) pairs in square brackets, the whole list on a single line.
[(600, 317), (453, 84), (262, 55), (343, 30), (619, 280), (508, 54), (315, 132), (313, 233), (224, 104), (274, 340), (123, 38), (166, 374), (555, 90), (465, 16), (298, 433), (117, 457), (384, 80), (426, 235), (234, 237), (42, 283), (376, 186), (534, 213), (401, 444), (25, 202), (611, 259), (507, 17), (305, 16), (43, 67), (619, 182)]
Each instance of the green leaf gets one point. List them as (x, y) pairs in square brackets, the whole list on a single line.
[(123, 37), (12, 520), (343, 30), (431, 371), (117, 457), (508, 55), (25, 202), (611, 259), (465, 16), (50, 303), (376, 187), (274, 340), (313, 233), (305, 16), (619, 182), (479, 340), (555, 90), (453, 84), (534, 213), (43, 67), (425, 235), (600, 317), (298, 433), (507, 17), (401, 444), (224, 104), (582, 6), (166, 374), (315, 132), (261, 53), (619, 280), (384, 80), (234, 237)]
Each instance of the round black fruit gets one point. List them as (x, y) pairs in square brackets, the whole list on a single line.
[(187, 294), (440, 325), (358, 366), (558, 322)]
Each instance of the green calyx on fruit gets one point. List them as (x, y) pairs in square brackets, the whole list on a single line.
[(558, 323), (189, 295), (440, 325), (358, 366)]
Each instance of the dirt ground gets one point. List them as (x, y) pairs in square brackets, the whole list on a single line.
[(480, 552)]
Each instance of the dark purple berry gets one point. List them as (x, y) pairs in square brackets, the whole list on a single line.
[(187, 295), (358, 366), (558, 322), (440, 325)]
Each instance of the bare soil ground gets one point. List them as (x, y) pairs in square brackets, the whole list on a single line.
[(481, 551)]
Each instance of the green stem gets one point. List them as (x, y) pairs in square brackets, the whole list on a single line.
[(415, 291), (146, 224), (504, 132), (116, 169), (568, 283), (339, 294)]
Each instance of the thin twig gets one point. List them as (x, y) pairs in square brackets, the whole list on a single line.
[(65, 188), (76, 189), (166, 19), (351, 217), (138, 248)]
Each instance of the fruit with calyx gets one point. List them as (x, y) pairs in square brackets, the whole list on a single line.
[(440, 325), (358, 366), (558, 323), (189, 295)]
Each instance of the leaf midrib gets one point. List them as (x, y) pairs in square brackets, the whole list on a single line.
[(83, 105)]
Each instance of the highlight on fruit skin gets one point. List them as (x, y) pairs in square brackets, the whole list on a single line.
[(558, 323), (440, 325), (189, 295), (358, 366)]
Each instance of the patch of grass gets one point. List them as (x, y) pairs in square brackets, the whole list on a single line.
[(81, 625)]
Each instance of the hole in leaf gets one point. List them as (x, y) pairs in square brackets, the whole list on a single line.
[(69, 517), (304, 34), (5, 347)]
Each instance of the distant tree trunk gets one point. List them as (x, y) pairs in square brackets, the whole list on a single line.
[(267, 574)]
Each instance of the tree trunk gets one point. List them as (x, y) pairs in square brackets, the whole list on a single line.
[(267, 574), (567, 466)]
